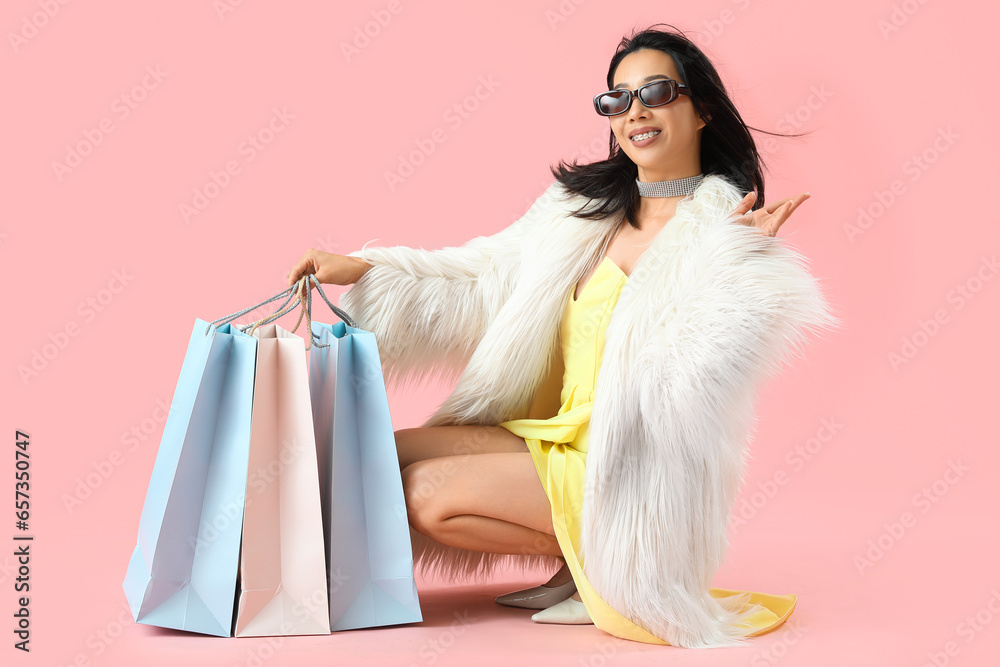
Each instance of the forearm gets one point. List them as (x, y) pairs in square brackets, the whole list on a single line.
[(361, 265), (429, 308)]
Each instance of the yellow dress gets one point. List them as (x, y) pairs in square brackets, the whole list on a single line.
[(558, 447)]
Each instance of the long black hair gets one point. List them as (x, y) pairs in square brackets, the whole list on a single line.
[(727, 149)]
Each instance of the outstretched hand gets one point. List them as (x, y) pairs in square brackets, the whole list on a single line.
[(767, 218)]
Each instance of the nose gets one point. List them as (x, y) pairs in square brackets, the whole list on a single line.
[(635, 107)]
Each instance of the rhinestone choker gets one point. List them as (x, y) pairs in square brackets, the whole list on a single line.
[(675, 188)]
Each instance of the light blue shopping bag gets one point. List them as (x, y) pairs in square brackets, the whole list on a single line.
[(369, 555), (182, 573)]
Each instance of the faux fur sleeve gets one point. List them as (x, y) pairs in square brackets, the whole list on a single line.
[(743, 303), (429, 309)]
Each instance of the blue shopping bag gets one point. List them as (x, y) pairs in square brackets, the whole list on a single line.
[(182, 573), (369, 555)]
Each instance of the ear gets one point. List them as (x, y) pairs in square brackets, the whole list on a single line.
[(704, 116)]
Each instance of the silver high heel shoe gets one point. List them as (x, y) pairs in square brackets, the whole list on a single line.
[(538, 597), (569, 612)]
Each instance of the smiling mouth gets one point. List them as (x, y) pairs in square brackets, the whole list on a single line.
[(645, 135)]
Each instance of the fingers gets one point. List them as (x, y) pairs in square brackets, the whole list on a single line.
[(769, 217), (789, 203), (303, 267), (783, 211), (745, 204), (295, 273), (775, 205), (797, 201)]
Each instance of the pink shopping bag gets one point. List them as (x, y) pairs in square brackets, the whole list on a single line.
[(282, 574)]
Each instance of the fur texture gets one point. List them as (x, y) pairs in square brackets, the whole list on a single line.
[(710, 309)]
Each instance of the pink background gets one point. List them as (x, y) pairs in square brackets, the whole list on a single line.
[(857, 448)]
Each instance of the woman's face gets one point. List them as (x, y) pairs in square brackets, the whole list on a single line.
[(675, 151)]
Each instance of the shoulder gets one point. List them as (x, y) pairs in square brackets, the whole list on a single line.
[(554, 203), (556, 196), (717, 195), (714, 199)]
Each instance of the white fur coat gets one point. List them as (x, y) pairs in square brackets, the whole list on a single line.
[(710, 309)]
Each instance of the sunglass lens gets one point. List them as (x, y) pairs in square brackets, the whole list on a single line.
[(612, 103), (656, 94)]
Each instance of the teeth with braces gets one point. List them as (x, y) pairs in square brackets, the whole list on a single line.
[(645, 135)]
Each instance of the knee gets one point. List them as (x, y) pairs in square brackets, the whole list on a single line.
[(423, 491)]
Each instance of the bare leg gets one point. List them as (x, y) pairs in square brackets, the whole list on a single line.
[(460, 443), (485, 502), (492, 502), (427, 442)]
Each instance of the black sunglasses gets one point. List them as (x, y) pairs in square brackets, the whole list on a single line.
[(652, 94)]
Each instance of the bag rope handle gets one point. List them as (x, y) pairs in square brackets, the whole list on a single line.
[(302, 293)]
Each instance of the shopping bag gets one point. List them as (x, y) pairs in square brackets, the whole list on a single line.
[(369, 555), (182, 573), (283, 581), (230, 534)]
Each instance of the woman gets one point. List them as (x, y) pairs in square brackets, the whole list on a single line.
[(681, 310)]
